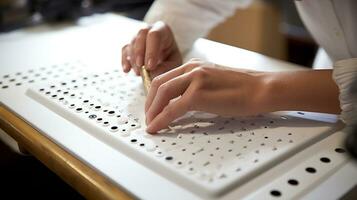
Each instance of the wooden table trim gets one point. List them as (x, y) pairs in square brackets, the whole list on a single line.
[(80, 176)]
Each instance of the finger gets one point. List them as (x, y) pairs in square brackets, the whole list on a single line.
[(163, 68), (166, 92), (163, 78), (139, 47), (124, 59), (133, 57), (154, 45), (174, 110), (158, 81)]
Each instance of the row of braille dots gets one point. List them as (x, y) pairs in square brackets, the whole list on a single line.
[(192, 169), (218, 148), (31, 76), (195, 155), (160, 154), (110, 113), (109, 76), (294, 182), (82, 81), (178, 163), (211, 139), (76, 84)]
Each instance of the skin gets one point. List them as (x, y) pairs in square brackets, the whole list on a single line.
[(198, 85)]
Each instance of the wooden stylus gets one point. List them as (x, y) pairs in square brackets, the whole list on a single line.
[(145, 75)]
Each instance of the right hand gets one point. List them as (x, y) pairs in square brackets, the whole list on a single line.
[(155, 47)]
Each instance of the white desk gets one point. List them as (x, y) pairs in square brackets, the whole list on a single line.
[(97, 41)]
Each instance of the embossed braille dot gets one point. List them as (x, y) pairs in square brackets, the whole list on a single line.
[(311, 170), (169, 158), (92, 116), (340, 150), (325, 160), (114, 128), (275, 193), (293, 182)]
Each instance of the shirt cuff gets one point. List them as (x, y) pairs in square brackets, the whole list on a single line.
[(345, 74)]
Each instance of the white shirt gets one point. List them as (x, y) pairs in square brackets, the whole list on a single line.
[(332, 23)]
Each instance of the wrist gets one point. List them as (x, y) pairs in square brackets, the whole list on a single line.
[(269, 94)]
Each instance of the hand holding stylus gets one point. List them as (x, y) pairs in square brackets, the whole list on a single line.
[(155, 47)]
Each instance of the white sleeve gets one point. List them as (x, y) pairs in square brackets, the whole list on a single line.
[(192, 19), (344, 73)]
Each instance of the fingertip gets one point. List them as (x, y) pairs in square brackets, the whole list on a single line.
[(139, 61), (126, 70), (151, 130), (150, 65), (137, 72)]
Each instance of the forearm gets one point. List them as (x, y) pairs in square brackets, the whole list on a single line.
[(312, 90)]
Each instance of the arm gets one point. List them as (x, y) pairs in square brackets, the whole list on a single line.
[(311, 90), (199, 85)]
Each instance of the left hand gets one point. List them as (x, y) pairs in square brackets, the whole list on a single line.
[(204, 86)]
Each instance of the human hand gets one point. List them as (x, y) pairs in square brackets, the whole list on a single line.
[(204, 86), (155, 47)]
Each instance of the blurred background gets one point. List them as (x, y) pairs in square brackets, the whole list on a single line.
[(268, 27)]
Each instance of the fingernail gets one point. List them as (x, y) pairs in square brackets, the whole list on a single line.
[(138, 61), (125, 68), (148, 129), (150, 63)]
